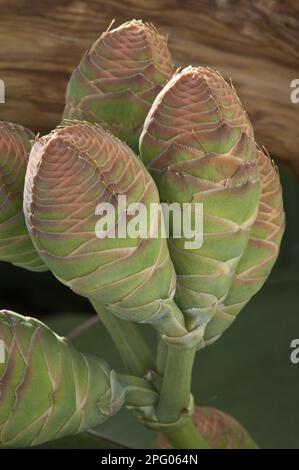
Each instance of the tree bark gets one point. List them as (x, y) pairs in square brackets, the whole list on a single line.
[(256, 43)]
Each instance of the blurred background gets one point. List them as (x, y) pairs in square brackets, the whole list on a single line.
[(248, 372)]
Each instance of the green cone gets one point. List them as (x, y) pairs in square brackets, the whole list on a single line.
[(198, 144), (48, 389), (70, 173), (261, 252), (15, 243), (118, 79)]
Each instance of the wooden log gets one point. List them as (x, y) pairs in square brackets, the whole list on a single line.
[(256, 43)]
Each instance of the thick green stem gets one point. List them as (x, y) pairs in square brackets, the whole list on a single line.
[(127, 339), (176, 385), (186, 437), (175, 394)]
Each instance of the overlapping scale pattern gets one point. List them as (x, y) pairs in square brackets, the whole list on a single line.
[(48, 389), (70, 173), (15, 243), (118, 79), (198, 144), (261, 252)]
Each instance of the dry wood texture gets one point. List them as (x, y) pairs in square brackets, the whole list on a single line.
[(256, 43)]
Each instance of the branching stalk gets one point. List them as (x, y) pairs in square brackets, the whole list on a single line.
[(138, 360)]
